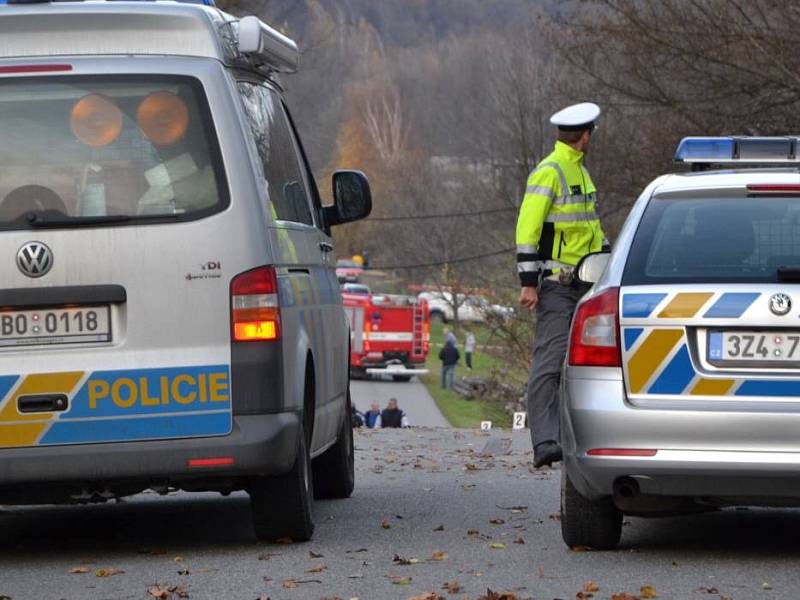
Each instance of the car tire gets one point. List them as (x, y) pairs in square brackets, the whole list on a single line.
[(334, 471), (437, 317), (588, 523), (282, 506), (402, 378)]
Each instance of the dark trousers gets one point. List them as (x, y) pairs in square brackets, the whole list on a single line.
[(553, 316), (468, 356)]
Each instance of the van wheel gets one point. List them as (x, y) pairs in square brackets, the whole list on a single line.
[(282, 505), (401, 377), (595, 524), (334, 471)]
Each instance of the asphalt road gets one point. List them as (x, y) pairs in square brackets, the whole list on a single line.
[(436, 494), (412, 397)]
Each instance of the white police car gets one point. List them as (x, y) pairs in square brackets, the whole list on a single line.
[(682, 383)]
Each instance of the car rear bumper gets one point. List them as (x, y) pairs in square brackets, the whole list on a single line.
[(728, 449), (257, 445)]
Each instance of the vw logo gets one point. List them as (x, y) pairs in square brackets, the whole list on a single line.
[(34, 259), (780, 304)]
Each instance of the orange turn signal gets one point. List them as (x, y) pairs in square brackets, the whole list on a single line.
[(163, 118), (255, 330), (96, 120)]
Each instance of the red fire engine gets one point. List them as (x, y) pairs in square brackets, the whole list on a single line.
[(389, 335)]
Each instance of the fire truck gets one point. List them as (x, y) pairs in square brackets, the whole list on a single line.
[(389, 335)]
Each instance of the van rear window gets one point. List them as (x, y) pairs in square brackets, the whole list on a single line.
[(725, 240), (106, 149)]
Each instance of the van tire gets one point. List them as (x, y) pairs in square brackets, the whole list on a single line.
[(282, 506), (334, 470), (588, 523)]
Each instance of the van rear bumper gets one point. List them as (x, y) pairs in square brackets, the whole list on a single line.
[(258, 445)]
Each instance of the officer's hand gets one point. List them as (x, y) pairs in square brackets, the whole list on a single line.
[(529, 297)]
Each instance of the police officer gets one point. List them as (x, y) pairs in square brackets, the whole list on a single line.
[(557, 226)]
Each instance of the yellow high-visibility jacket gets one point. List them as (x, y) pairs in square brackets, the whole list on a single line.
[(558, 223)]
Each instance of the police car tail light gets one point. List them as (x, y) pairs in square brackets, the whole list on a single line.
[(594, 340), (255, 312)]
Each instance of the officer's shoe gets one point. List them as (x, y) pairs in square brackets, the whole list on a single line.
[(546, 453)]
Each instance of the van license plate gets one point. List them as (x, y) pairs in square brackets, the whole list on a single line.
[(754, 346), (55, 326)]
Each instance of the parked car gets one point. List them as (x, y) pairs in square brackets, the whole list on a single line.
[(473, 309), (356, 288), (682, 384), (348, 271), (167, 268)]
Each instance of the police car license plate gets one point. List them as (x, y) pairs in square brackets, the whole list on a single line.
[(55, 326), (753, 346)]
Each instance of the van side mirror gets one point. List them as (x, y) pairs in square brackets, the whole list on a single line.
[(352, 199), (591, 267)]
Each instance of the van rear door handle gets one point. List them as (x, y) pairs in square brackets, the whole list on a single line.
[(326, 246)]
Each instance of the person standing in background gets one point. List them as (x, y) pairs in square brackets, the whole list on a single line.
[(449, 356), (469, 348)]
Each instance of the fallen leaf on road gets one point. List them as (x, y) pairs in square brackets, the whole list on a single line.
[(399, 560), (556, 516), (317, 569), (386, 524), (401, 580), (439, 528), (267, 555), (648, 591), (512, 508), (108, 572), (707, 590), (519, 540), (490, 595), (427, 596), (584, 595), (289, 584), (497, 546), (497, 521), (355, 551), (451, 587), (590, 586), (312, 554), (624, 596), (79, 570), (766, 586), (579, 548), (183, 572), (439, 555)]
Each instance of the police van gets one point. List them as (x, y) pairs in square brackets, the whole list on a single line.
[(170, 316), (682, 382)]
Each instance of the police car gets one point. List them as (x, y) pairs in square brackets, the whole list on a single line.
[(170, 316), (681, 390)]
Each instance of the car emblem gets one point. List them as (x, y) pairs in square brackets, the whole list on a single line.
[(780, 304), (34, 259)]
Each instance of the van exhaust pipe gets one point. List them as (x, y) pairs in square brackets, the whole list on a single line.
[(625, 489)]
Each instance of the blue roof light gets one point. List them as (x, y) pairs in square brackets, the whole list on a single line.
[(705, 149), (742, 150)]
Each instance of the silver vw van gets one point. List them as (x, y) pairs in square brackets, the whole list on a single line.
[(169, 311)]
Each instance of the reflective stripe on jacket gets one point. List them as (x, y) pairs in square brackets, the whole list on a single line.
[(558, 223)]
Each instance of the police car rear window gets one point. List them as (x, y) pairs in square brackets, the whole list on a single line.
[(725, 240), (109, 149)]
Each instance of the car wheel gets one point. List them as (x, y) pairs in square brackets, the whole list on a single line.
[(401, 378), (282, 506), (334, 471), (587, 523), (438, 317)]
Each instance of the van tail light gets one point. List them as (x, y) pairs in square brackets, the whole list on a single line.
[(255, 313), (594, 341)]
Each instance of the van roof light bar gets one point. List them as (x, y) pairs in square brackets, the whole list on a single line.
[(738, 150), (263, 46)]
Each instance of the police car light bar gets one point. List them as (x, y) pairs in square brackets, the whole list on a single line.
[(264, 46), (737, 150)]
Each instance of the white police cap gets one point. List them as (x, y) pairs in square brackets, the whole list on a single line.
[(576, 117)]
